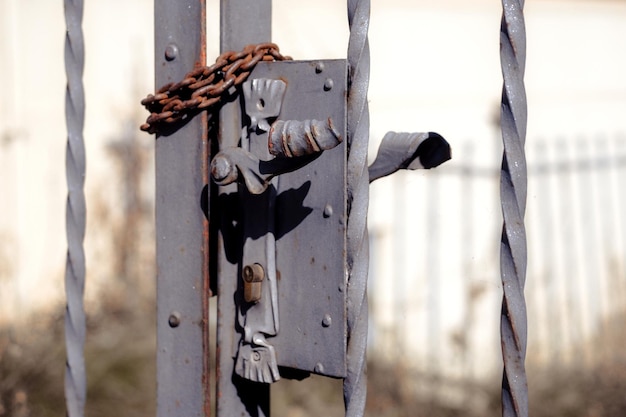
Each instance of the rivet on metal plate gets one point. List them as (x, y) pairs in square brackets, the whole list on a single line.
[(171, 52), (174, 319), (328, 211)]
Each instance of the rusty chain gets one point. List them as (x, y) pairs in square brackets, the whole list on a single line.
[(204, 87)]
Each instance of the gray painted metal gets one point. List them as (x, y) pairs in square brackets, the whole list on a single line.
[(242, 23), (181, 226), (408, 151), (513, 251), (355, 384), (310, 219), (293, 224), (75, 328)]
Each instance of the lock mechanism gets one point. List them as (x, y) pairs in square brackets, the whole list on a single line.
[(253, 276), (290, 166)]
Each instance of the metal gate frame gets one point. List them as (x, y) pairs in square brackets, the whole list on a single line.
[(183, 212)]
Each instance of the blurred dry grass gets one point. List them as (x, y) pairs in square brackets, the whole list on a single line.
[(120, 352), (120, 355)]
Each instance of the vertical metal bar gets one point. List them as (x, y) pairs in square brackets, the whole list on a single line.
[(181, 226), (467, 234), (589, 246), (242, 22), (577, 307), (75, 378), (558, 320), (599, 242), (547, 330), (562, 275), (616, 166), (399, 285), (513, 185), (355, 384), (433, 279)]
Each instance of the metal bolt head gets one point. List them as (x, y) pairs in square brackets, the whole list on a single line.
[(174, 319), (327, 320), (328, 84), (319, 67), (319, 368), (328, 211), (171, 52), (223, 170)]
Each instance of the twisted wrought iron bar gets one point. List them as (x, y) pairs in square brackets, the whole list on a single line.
[(75, 378), (513, 184), (355, 384)]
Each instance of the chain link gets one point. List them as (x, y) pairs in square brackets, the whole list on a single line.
[(204, 87)]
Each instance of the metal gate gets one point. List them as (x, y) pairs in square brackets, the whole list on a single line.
[(262, 196)]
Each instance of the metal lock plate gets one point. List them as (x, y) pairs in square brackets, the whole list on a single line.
[(310, 224)]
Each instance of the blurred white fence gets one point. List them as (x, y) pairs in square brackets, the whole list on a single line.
[(435, 286)]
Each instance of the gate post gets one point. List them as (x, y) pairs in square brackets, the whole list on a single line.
[(181, 226)]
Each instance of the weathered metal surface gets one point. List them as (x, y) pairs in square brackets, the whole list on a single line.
[(263, 100), (242, 23), (75, 328), (408, 151), (204, 86), (355, 384), (181, 226), (293, 226), (513, 252), (292, 138), (310, 224), (258, 323)]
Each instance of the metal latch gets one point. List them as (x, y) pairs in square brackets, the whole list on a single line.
[(290, 167)]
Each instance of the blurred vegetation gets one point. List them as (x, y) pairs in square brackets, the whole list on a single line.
[(120, 361), (120, 358)]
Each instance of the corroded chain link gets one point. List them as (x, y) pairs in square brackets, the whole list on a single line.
[(205, 86)]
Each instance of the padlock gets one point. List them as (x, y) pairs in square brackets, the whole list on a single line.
[(253, 276)]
